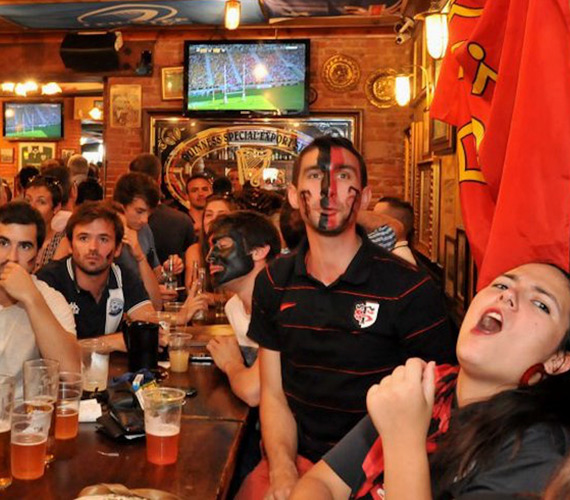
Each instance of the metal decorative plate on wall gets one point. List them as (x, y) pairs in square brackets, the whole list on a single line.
[(340, 73), (380, 88)]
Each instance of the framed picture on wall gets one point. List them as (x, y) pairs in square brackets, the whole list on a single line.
[(426, 199), (66, 153), (172, 83), (186, 146), (449, 267), (126, 106), (462, 270), (7, 155), (32, 154), (442, 137)]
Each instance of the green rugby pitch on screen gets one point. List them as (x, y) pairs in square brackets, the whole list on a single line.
[(275, 98)]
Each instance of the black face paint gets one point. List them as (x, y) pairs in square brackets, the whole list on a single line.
[(324, 164), (228, 261)]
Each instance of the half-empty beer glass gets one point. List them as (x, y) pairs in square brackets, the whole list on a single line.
[(30, 428), (162, 409)]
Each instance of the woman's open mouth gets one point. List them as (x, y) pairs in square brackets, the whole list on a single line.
[(491, 322)]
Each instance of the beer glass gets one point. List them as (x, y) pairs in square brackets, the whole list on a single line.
[(162, 409), (95, 364), (174, 310), (30, 428), (41, 381), (7, 385), (67, 414), (67, 405), (179, 351)]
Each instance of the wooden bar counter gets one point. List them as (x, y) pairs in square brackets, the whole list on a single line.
[(211, 430)]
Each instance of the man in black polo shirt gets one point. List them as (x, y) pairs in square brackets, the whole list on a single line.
[(331, 320), (98, 291)]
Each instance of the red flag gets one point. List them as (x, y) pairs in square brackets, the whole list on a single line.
[(505, 84)]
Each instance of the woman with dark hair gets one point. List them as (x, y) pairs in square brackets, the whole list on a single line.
[(216, 204), (499, 423), (45, 194)]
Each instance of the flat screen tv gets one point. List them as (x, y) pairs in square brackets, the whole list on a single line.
[(33, 120), (246, 77)]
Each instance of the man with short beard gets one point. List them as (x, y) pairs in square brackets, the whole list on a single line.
[(331, 320), (98, 291)]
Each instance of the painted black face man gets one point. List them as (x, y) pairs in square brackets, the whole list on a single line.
[(331, 320), (228, 258)]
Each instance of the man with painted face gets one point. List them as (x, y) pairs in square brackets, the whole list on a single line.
[(242, 243), (331, 320)]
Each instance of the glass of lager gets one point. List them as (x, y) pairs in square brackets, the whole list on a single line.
[(41, 381), (30, 428), (162, 410), (67, 405), (179, 351), (7, 385)]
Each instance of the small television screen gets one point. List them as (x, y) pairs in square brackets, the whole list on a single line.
[(33, 120), (251, 77)]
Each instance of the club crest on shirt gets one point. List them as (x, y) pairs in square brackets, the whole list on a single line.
[(115, 307), (365, 313)]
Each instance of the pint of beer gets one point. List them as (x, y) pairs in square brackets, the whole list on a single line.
[(67, 406), (162, 409), (179, 351), (41, 381), (30, 427), (7, 385)]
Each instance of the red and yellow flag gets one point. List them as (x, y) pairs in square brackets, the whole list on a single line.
[(505, 84)]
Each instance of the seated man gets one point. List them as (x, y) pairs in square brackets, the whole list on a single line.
[(35, 320), (99, 291), (241, 245)]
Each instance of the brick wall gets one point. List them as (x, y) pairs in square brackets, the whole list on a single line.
[(382, 129)]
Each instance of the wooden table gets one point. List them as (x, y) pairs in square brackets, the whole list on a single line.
[(211, 431)]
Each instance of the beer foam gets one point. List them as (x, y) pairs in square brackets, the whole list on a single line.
[(161, 430), (4, 427)]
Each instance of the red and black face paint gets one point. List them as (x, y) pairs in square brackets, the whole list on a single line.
[(331, 218)]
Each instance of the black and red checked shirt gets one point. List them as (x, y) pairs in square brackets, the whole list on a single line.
[(336, 341)]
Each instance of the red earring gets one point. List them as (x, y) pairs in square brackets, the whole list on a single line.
[(536, 373)]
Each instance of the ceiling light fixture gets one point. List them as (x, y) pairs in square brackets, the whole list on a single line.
[(8, 87), (51, 88), (232, 14)]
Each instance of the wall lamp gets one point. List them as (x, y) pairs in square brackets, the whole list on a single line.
[(232, 14), (436, 29), (403, 87)]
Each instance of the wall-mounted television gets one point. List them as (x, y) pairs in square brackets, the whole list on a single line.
[(23, 120), (246, 78)]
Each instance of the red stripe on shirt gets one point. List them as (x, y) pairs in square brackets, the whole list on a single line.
[(339, 370), (333, 408), (437, 323)]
